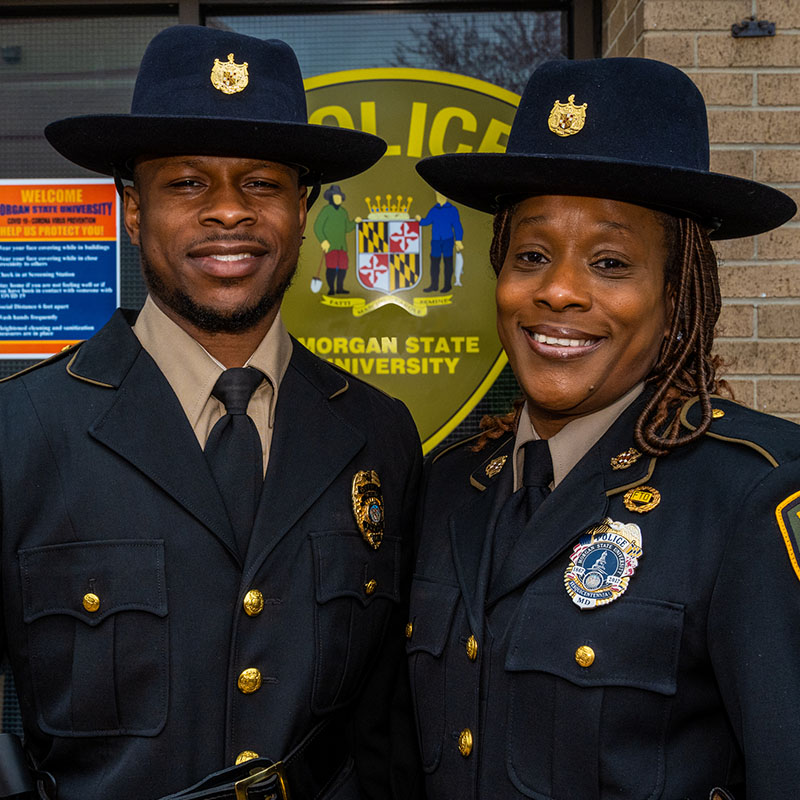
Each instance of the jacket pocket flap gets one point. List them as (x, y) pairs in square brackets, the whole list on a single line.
[(431, 615), (347, 566), (122, 575), (631, 642)]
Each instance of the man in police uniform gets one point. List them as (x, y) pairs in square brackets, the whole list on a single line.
[(160, 628)]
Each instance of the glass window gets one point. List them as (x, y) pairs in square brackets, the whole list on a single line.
[(54, 67), (501, 47)]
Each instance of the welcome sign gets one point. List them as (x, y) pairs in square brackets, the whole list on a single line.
[(59, 263)]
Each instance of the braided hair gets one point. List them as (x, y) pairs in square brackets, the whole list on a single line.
[(685, 367)]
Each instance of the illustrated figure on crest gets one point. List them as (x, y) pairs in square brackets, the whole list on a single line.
[(446, 233), (331, 227)]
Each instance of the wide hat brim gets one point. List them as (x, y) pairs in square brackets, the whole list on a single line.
[(110, 144), (207, 91), (629, 129), (733, 207)]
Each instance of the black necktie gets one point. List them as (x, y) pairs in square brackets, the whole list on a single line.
[(537, 474), (233, 451)]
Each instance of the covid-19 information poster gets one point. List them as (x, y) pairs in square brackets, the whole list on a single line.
[(59, 263)]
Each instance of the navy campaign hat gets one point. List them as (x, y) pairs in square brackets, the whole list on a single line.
[(629, 129), (202, 91)]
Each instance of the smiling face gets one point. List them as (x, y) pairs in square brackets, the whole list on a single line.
[(219, 238), (582, 306)]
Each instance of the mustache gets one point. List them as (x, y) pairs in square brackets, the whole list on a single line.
[(236, 238)]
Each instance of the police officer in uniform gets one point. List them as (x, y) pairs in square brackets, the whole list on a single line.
[(607, 593), (205, 529)]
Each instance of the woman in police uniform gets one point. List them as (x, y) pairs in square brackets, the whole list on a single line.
[(606, 596)]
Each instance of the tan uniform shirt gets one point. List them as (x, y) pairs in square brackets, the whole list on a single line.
[(573, 441), (192, 371)]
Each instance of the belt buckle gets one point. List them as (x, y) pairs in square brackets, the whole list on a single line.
[(256, 776)]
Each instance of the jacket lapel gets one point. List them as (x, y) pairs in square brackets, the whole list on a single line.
[(578, 503), (145, 424), (311, 445), (472, 524)]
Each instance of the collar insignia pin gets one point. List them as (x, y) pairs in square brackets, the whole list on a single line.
[(228, 76), (567, 118), (626, 459), (602, 562), (368, 506), (495, 465), (641, 499)]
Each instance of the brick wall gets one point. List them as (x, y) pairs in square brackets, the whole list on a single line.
[(752, 89)]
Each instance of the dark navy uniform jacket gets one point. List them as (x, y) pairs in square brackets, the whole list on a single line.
[(104, 490), (693, 679)]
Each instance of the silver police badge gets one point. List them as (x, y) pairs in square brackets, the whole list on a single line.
[(368, 506), (602, 563)]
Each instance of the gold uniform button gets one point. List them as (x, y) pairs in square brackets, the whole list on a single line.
[(249, 681), (472, 648), (370, 586), (716, 413), (246, 755), (584, 656), (465, 742), (253, 603), (91, 602), (409, 629)]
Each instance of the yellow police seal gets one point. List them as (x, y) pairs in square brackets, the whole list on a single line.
[(368, 506), (567, 118), (228, 76), (438, 350)]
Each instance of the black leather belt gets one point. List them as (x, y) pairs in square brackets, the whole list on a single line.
[(303, 775)]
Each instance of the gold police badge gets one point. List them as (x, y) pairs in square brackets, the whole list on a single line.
[(228, 76), (368, 506), (567, 118)]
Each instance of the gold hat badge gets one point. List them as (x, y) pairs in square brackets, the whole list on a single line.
[(228, 76), (567, 118)]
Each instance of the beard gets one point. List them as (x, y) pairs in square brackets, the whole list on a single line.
[(211, 320)]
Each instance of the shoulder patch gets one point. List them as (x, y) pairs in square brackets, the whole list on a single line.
[(788, 516), (65, 352)]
